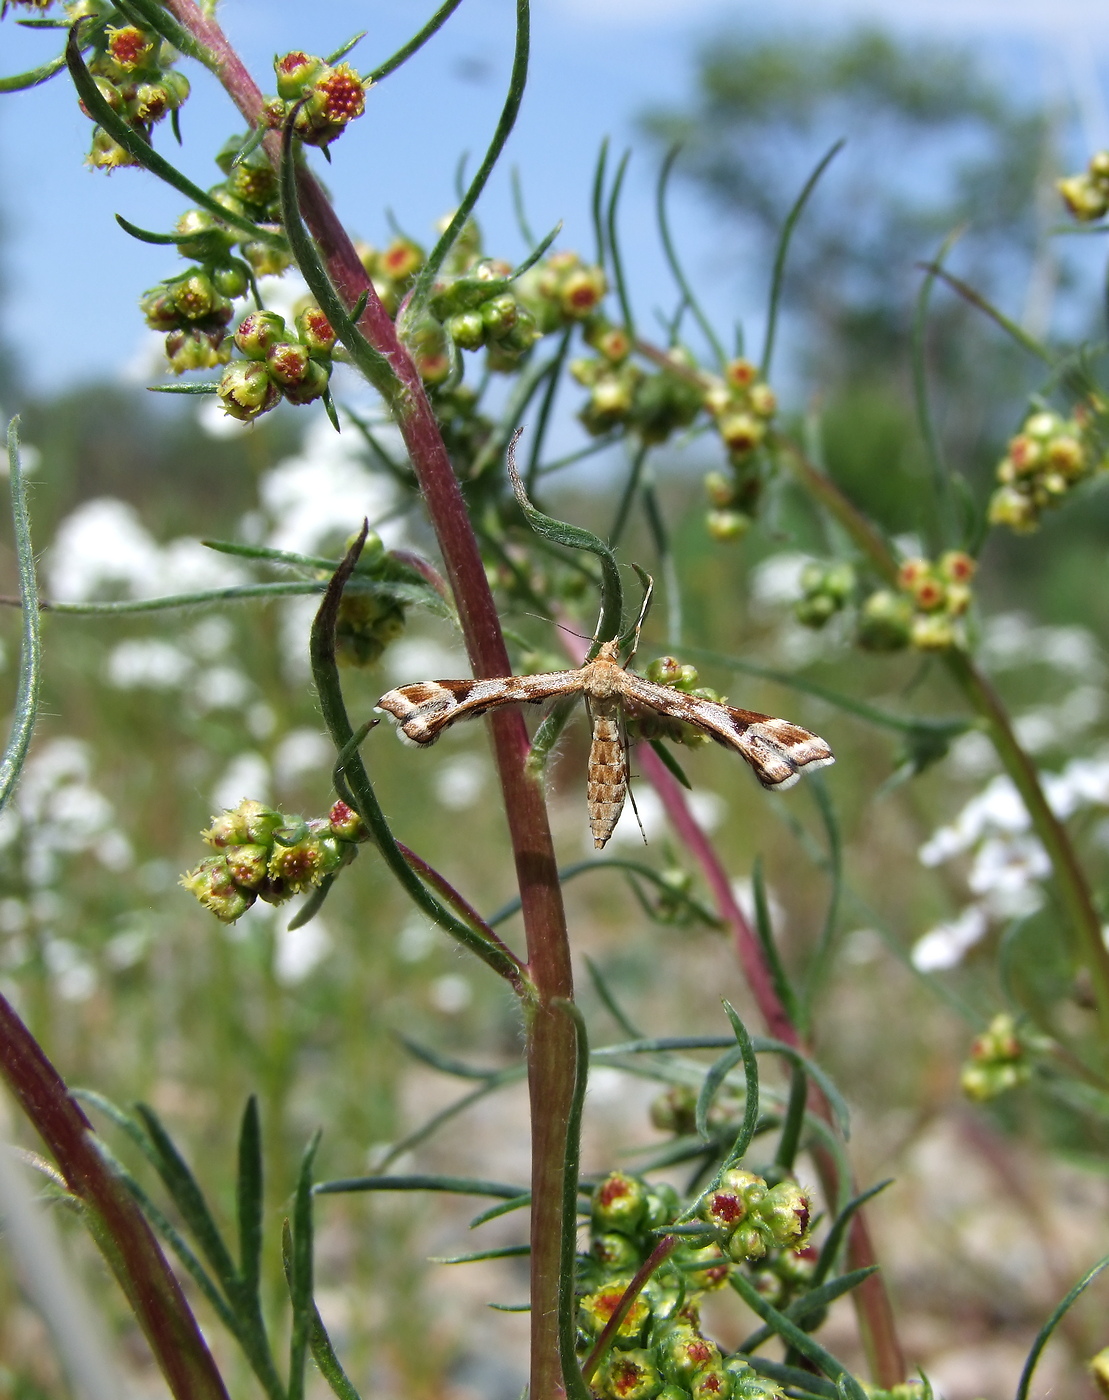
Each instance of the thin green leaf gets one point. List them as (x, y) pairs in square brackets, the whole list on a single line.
[(312, 905), (790, 1139), (510, 1307), (300, 1272), (344, 49), (765, 931), (189, 1200), (718, 1072), (1045, 1332), (598, 204), (751, 1073), (323, 1354), (821, 956), (418, 40), (572, 1378), (445, 1064), (670, 578), (549, 733), (670, 762), (249, 1199), (968, 293), (803, 1309), (546, 406), (802, 1383), (516, 84), (30, 645), (458, 1185), (501, 1208), (573, 537), (614, 245), (141, 150), (815, 1073), (778, 278), (941, 474), (452, 1110), (627, 497), (254, 138), (518, 207), (510, 1251), (608, 998), (208, 387), (838, 1233), (794, 1336), (633, 867), (674, 262), (370, 361), (19, 82), (325, 673)]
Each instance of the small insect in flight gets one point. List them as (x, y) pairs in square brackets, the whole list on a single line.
[(776, 750)]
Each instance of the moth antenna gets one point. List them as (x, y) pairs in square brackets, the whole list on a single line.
[(648, 593)]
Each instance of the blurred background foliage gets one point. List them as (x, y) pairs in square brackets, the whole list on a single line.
[(136, 991)]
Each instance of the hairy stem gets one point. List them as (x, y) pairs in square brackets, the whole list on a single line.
[(117, 1223), (550, 1035)]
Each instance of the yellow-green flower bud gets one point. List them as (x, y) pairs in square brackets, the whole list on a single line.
[(259, 332), (630, 1375), (247, 391), (724, 526), (1099, 1371), (214, 886), (885, 621), (619, 1203)]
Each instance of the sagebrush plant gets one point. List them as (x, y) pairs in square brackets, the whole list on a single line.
[(621, 1318)]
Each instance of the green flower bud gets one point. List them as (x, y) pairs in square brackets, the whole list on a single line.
[(247, 391), (675, 1111), (297, 71), (619, 1203), (259, 332), (741, 432), (335, 98), (714, 1384), (724, 526), (684, 1352), (815, 611), (1013, 508), (313, 386), (249, 824), (197, 299), (616, 1253), (581, 292), (720, 489), (214, 886), (596, 1309), (763, 400), (467, 330), (196, 349), (689, 679), (786, 1211), (663, 1205), (105, 154), (630, 1375), (885, 621), (665, 670), (266, 260), (304, 865), (747, 1384), (254, 182), (1099, 1370), (315, 331), (346, 823), (932, 633), (288, 363), (129, 47), (231, 281), (247, 864), (747, 1243), (1083, 197)]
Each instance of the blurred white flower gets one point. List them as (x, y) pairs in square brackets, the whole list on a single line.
[(210, 637), (247, 775), (302, 751), (74, 976), (451, 993), (1011, 640), (415, 940), (220, 688), (777, 579), (422, 659), (298, 950), (743, 892), (945, 945), (104, 547), (460, 781), (709, 810), (147, 662)]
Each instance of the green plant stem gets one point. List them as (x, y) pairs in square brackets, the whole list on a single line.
[(1071, 884), (550, 1034), (116, 1222)]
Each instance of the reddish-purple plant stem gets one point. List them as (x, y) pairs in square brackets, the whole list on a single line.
[(872, 1304), (550, 1045), (118, 1224), (654, 1261)]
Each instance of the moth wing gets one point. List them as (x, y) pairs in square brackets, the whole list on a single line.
[(422, 711), (776, 749)]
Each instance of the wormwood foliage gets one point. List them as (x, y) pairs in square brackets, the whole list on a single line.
[(458, 348)]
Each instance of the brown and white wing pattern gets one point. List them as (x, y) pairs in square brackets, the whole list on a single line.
[(424, 710), (775, 749)]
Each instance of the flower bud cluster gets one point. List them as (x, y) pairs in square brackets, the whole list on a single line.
[(927, 609), (623, 394), (278, 363), (133, 72), (260, 853), (1087, 194), (998, 1061), (1046, 459), (660, 1351), (194, 313), (393, 269), (754, 1218), (669, 671), (326, 98), (826, 589), (742, 406)]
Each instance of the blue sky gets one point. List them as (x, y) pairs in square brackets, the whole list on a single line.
[(73, 276)]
